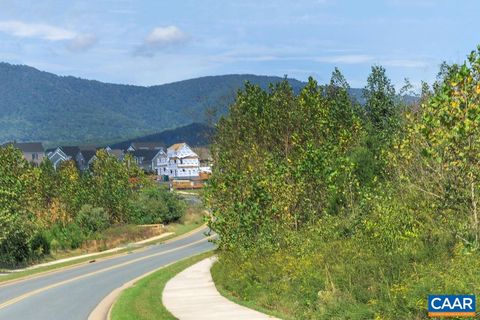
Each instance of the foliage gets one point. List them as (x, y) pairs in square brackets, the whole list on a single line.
[(278, 161), (379, 94), (69, 236), (14, 240), (92, 219), (326, 210), (15, 231), (156, 205), (43, 209)]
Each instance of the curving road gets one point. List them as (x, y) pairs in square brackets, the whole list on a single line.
[(74, 292)]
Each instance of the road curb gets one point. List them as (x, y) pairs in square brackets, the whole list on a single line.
[(103, 310)]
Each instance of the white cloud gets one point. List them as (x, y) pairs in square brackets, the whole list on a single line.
[(75, 41), (34, 30), (160, 38), (82, 42)]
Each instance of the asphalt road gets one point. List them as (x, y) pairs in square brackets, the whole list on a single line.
[(73, 293)]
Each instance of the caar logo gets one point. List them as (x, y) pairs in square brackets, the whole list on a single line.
[(451, 306)]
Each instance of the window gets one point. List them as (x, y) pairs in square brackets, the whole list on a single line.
[(34, 156)]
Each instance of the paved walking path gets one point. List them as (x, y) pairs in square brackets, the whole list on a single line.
[(191, 294)]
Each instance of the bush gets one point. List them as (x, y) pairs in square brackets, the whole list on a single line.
[(68, 236), (40, 244), (156, 205), (92, 219), (15, 246)]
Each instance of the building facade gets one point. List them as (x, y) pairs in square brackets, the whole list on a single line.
[(182, 162)]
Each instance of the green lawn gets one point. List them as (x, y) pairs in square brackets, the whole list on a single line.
[(144, 300), (218, 278)]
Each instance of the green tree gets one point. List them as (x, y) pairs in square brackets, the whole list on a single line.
[(277, 161), (156, 205), (379, 94), (48, 182), (15, 229), (68, 186), (110, 179), (442, 148)]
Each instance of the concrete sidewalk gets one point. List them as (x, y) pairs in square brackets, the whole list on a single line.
[(191, 294)]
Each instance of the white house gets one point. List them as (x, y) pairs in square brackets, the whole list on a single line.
[(160, 163), (182, 162)]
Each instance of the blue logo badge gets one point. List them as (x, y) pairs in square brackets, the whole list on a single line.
[(451, 305)]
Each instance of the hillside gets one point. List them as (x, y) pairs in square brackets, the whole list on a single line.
[(41, 106), (195, 134), (37, 105)]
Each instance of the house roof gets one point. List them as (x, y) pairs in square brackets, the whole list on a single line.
[(88, 148), (26, 146), (176, 146), (147, 155), (88, 154), (70, 151), (118, 153), (147, 145)]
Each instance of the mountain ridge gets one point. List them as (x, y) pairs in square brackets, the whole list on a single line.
[(37, 105)]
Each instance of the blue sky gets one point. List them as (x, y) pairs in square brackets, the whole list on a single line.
[(154, 41)]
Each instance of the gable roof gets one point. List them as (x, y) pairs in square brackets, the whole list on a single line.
[(70, 151), (117, 153), (88, 154), (176, 146), (147, 155), (147, 145), (27, 146)]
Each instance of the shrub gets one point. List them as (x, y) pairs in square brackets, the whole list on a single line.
[(40, 244), (156, 205), (69, 236), (14, 242), (92, 219)]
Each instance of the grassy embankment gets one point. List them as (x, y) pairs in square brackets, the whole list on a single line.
[(144, 300), (114, 237)]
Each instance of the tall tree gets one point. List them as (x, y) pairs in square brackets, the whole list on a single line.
[(443, 147), (15, 229), (379, 94), (110, 179), (68, 186), (48, 182)]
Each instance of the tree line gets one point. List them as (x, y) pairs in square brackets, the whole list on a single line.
[(331, 209), (43, 208)]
